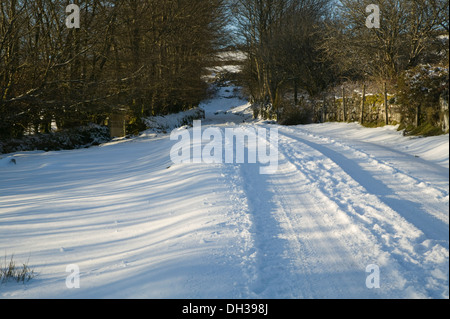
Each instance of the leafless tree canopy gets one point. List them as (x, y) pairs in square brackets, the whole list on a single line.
[(407, 36), (281, 41), (145, 57)]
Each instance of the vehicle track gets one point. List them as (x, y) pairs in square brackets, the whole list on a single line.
[(315, 228)]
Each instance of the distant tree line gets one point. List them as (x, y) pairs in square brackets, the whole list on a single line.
[(313, 46), (282, 41), (408, 35), (141, 57), (147, 57)]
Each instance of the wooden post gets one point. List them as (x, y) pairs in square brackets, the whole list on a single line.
[(324, 110), (343, 104), (386, 104), (363, 102)]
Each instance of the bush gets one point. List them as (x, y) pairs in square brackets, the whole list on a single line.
[(264, 111), (374, 124), (80, 137), (422, 87), (135, 126), (295, 115), (424, 130)]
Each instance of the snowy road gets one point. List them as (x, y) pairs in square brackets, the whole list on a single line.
[(339, 209), (343, 198)]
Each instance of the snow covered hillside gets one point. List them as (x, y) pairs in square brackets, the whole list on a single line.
[(137, 226)]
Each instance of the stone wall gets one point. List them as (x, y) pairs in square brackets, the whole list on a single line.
[(374, 110)]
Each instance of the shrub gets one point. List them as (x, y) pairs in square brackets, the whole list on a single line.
[(422, 87), (10, 271), (374, 124), (424, 130), (80, 137), (295, 115)]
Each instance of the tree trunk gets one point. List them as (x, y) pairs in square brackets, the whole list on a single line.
[(386, 104), (363, 102), (324, 110), (418, 115), (344, 106)]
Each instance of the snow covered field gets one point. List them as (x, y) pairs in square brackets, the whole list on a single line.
[(137, 226)]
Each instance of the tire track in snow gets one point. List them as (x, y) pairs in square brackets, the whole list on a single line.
[(428, 196), (303, 245), (262, 248), (411, 250), (327, 250), (266, 245), (271, 278)]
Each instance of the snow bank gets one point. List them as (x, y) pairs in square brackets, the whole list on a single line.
[(434, 148), (172, 121), (139, 226)]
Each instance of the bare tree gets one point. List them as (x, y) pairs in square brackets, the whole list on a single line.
[(406, 30), (145, 57), (281, 41)]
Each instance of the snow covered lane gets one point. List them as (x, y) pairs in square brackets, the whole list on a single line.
[(139, 226), (136, 226), (315, 230), (399, 214)]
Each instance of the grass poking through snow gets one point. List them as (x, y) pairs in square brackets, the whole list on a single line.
[(9, 270)]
